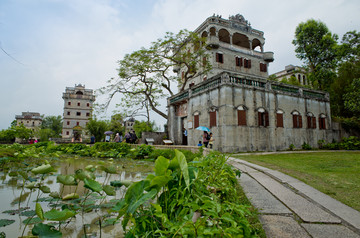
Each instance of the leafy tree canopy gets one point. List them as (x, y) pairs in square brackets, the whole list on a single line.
[(145, 76), (97, 128), (144, 126), (318, 48), (53, 123)]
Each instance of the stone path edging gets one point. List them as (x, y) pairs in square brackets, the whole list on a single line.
[(291, 208)]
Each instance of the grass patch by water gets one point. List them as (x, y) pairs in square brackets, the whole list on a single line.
[(334, 173)]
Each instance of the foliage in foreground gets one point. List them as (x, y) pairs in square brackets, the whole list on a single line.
[(196, 199), (181, 199)]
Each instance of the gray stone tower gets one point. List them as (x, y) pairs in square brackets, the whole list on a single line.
[(78, 105)]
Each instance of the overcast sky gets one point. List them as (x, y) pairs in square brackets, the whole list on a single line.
[(48, 45)]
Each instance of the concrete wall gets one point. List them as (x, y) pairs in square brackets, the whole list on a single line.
[(229, 137)]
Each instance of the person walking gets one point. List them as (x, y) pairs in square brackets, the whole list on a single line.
[(127, 137), (117, 138), (211, 141), (206, 138)]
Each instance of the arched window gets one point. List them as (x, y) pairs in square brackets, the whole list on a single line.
[(241, 112), (204, 34), (212, 115), (196, 119), (297, 119), (256, 43), (241, 40), (224, 36), (311, 120), (322, 123), (279, 118), (263, 117)]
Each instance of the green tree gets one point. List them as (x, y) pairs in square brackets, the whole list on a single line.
[(145, 76), (352, 98), (144, 126), (318, 48), (97, 128), (22, 132), (117, 123), (54, 123)]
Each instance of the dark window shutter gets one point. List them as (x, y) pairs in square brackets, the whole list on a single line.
[(266, 119), (308, 119), (259, 118), (279, 120), (300, 121), (314, 122), (204, 61), (213, 118), (217, 57), (241, 117), (294, 121), (237, 63), (249, 64), (196, 121)]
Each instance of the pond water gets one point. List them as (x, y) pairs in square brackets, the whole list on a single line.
[(18, 203)]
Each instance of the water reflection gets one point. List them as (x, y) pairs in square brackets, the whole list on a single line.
[(13, 197)]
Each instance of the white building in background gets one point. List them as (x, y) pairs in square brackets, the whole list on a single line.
[(296, 71), (78, 106), (30, 120)]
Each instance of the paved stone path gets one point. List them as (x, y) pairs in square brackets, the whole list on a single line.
[(290, 208)]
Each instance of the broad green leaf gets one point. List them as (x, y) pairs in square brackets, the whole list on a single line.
[(24, 174), (43, 169), (109, 169), (31, 185), (30, 221), (39, 211), (66, 179), (119, 183), (45, 231), (183, 166), (45, 189), (92, 185), (83, 174), (90, 168), (109, 190), (56, 215), (6, 222), (143, 198), (70, 196), (54, 195), (158, 182), (161, 165)]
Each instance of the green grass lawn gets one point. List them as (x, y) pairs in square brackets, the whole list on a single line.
[(334, 173)]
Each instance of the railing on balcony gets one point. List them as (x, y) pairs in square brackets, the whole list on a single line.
[(284, 88), (313, 94), (248, 82)]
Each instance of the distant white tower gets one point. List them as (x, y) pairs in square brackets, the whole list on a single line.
[(78, 105)]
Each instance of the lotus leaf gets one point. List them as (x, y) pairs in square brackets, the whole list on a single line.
[(119, 183), (92, 185), (48, 231), (56, 215), (161, 165), (90, 168), (43, 169), (30, 221), (30, 213), (39, 211), (24, 174), (66, 179), (45, 189), (109, 190), (13, 173), (82, 174), (70, 196), (6, 222), (109, 169), (31, 185), (54, 195)]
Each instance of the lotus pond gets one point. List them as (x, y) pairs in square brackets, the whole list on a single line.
[(109, 190), (21, 190)]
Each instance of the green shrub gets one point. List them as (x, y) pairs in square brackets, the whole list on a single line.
[(306, 146), (291, 147)]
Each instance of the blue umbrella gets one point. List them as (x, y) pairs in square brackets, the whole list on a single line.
[(202, 128)]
